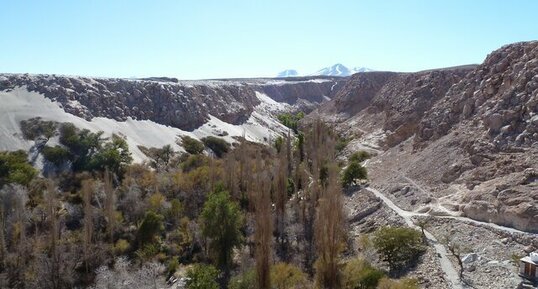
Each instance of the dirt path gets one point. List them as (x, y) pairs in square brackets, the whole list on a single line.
[(446, 265), (453, 215)]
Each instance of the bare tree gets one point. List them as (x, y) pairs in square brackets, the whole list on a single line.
[(110, 205), (263, 230), (456, 250), (124, 276), (3, 251), (281, 198), (330, 230), (87, 193), (52, 206)]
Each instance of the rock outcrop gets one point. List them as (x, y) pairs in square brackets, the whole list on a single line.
[(185, 105), (468, 135)]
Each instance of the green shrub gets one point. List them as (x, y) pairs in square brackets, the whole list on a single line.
[(246, 280), (287, 276), (398, 246), (217, 145), (191, 145), (151, 226), (14, 168), (221, 221), (291, 120), (194, 161), (91, 152), (359, 274), (279, 141), (56, 154), (353, 172), (173, 265), (341, 144), (359, 156), (202, 277), (35, 127), (121, 246)]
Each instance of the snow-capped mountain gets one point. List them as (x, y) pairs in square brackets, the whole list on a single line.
[(340, 70), (335, 70), (288, 73), (361, 69)]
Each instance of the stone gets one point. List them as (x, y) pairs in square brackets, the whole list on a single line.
[(469, 258), (494, 121)]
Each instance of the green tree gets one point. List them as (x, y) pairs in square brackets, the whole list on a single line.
[(56, 154), (398, 245), (359, 156), (14, 168), (287, 276), (36, 127), (114, 155), (353, 172), (291, 120), (221, 222), (83, 145), (202, 277), (217, 145), (191, 145), (359, 274), (150, 227)]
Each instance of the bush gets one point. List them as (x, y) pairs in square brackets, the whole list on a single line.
[(202, 277), (246, 280), (287, 276), (359, 156), (221, 221), (194, 161), (398, 246), (353, 172), (121, 246), (14, 168), (278, 143), (90, 152), (291, 120), (341, 144), (160, 157), (359, 274), (150, 227), (217, 145), (172, 266), (56, 154), (191, 145), (35, 127)]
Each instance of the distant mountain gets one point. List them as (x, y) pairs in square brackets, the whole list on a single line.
[(340, 70), (335, 70), (288, 73), (361, 69)]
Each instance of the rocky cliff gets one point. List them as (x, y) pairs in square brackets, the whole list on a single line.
[(460, 141), (185, 105)]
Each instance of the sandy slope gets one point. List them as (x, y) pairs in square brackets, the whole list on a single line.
[(20, 104)]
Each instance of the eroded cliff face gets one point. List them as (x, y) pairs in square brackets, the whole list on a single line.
[(501, 94), (460, 141), (182, 104), (400, 100)]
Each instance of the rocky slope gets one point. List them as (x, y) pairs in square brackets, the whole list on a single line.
[(185, 105), (458, 141), (157, 111)]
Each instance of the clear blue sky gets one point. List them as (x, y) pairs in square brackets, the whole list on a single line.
[(214, 39)]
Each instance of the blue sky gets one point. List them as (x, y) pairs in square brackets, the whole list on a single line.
[(215, 39)]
